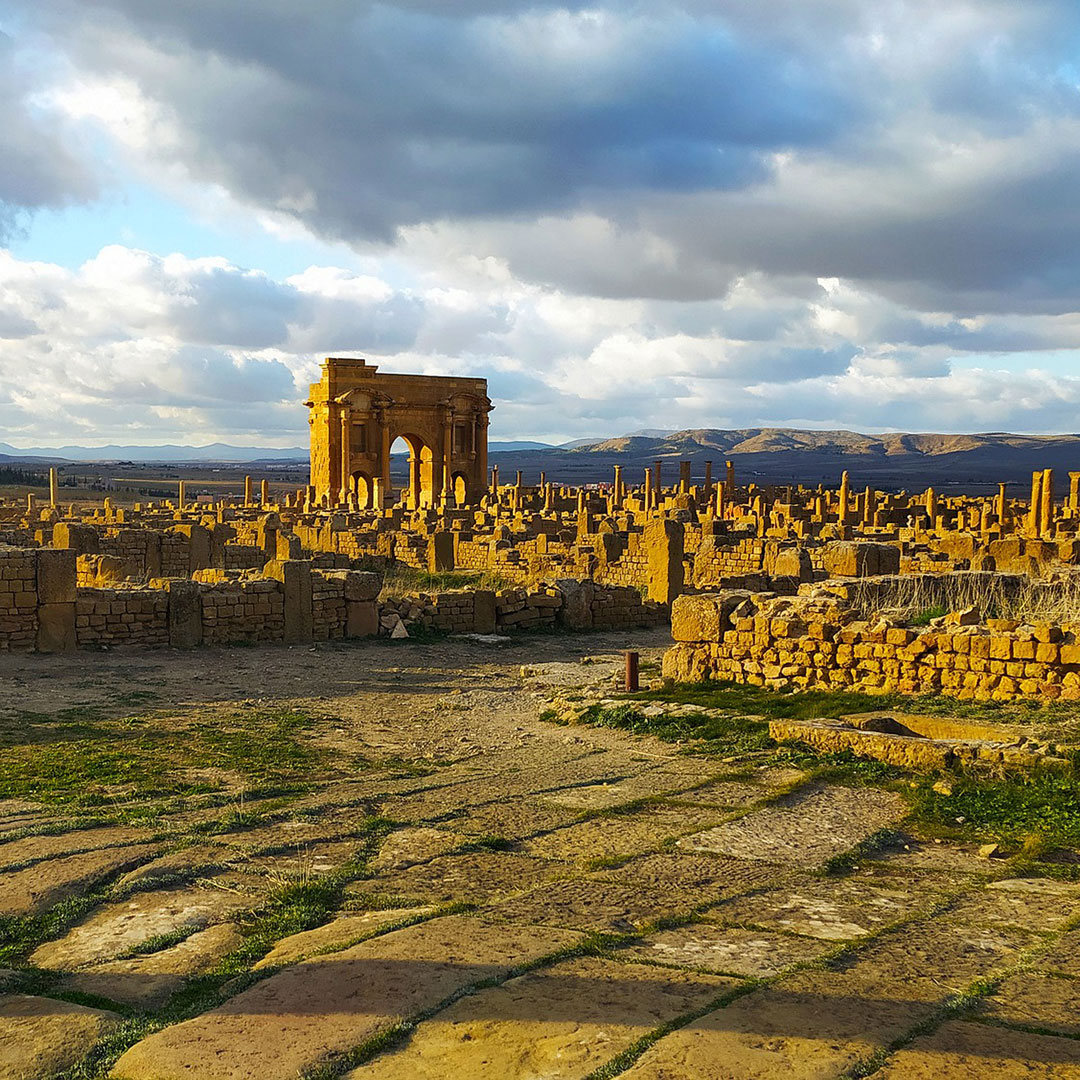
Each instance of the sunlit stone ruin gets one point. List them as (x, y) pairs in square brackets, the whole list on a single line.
[(424, 828)]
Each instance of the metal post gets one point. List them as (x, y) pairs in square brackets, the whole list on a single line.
[(631, 657)]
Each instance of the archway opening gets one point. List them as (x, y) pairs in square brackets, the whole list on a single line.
[(361, 487), (411, 471), (461, 489)]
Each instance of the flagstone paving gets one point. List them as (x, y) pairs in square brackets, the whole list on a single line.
[(475, 892)]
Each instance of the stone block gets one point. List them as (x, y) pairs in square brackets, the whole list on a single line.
[(295, 577), (56, 575), (484, 611), (56, 628), (185, 617), (362, 585), (361, 618)]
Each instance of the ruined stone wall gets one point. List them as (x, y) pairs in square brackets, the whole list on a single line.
[(820, 641), (327, 607), (243, 611), (122, 616), (18, 598), (175, 555), (243, 557)]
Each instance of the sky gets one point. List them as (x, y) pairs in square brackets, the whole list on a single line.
[(859, 214)]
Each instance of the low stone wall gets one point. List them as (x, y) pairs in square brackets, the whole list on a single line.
[(820, 640), (116, 617), (18, 598), (243, 611)]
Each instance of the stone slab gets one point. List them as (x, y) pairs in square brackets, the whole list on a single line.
[(40, 1037), (32, 848), (806, 1034), (834, 909), (967, 1051), (124, 924), (1034, 903), (404, 847), (38, 887), (147, 982), (315, 1011), (727, 950), (1034, 1000), (343, 930), (806, 829), (564, 1021)]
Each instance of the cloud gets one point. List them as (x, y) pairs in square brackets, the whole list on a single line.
[(138, 347), (39, 167)]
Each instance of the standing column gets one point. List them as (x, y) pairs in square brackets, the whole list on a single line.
[(1074, 491), (446, 491), (346, 454), (264, 492), (1046, 514), (181, 495), (247, 490), (708, 481), (721, 509), (384, 453), (617, 491), (842, 508), (931, 505), (648, 490), (657, 485), (53, 484), (481, 450), (729, 479), (1033, 524), (684, 477), (414, 478), (999, 507)]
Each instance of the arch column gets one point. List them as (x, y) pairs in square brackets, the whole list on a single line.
[(384, 452), (346, 452)]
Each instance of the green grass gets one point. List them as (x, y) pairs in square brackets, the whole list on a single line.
[(1040, 809), (924, 618), (725, 735), (402, 580), (88, 764)]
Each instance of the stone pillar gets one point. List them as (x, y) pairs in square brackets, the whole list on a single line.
[(346, 455), (185, 618), (617, 487), (842, 506), (708, 481), (378, 494), (29, 503), (495, 479), (247, 490), (55, 586), (181, 495), (384, 449), (264, 493), (684, 477), (53, 484), (1000, 504), (1034, 525), (1046, 513), (729, 478), (414, 479), (931, 506), (543, 479), (481, 448), (721, 509), (869, 506), (447, 489), (1074, 491), (440, 553), (663, 541), (658, 482), (648, 490), (295, 578)]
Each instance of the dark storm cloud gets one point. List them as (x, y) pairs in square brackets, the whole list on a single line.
[(362, 118), (36, 167)]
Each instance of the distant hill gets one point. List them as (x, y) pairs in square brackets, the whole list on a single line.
[(212, 452), (788, 455)]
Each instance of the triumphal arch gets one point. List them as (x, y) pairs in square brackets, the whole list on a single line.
[(357, 414)]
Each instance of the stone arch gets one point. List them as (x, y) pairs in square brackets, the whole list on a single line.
[(418, 490), (362, 488)]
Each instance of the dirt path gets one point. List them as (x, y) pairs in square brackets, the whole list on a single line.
[(459, 888)]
